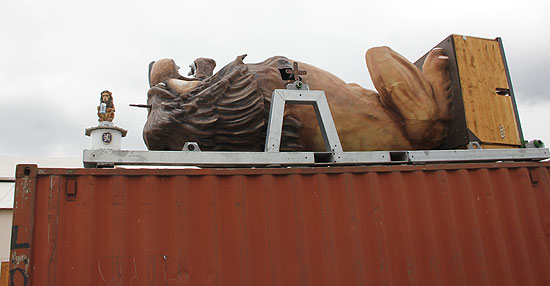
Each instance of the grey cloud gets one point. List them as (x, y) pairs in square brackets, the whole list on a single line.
[(57, 56)]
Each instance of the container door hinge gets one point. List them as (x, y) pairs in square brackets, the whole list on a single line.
[(70, 191)]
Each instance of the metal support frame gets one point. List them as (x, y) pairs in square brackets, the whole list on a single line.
[(299, 93), (110, 158), (317, 99)]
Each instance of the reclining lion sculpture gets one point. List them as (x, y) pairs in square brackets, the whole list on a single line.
[(229, 110)]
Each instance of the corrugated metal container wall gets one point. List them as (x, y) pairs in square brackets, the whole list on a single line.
[(448, 224)]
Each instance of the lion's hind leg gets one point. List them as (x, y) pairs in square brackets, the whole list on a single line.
[(436, 71), (408, 93)]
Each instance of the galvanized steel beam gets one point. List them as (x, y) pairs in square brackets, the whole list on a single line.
[(99, 158)]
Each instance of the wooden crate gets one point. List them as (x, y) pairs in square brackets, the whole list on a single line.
[(5, 273), (483, 104)]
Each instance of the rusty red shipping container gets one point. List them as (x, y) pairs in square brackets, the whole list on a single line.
[(447, 224)]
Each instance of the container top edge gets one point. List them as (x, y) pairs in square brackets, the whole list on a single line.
[(121, 171)]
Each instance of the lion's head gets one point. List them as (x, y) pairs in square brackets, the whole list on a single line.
[(107, 98)]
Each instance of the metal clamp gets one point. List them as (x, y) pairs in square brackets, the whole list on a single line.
[(474, 145), (191, 146)]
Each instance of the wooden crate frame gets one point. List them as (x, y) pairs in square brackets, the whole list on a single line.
[(478, 69)]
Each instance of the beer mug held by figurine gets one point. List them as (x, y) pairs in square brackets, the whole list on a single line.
[(103, 108)]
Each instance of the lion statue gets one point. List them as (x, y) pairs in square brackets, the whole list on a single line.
[(106, 108), (229, 110)]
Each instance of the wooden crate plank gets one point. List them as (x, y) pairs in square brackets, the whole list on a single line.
[(5, 273), (488, 115)]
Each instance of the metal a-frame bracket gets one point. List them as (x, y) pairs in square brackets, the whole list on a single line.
[(302, 95)]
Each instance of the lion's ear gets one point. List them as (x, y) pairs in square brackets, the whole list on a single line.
[(204, 67), (162, 70)]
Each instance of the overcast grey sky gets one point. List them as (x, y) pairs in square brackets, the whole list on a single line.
[(57, 56)]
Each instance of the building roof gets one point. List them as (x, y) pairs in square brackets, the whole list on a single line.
[(7, 191), (7, 172)]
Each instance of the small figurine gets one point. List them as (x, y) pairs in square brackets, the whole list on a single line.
[(106, 108)]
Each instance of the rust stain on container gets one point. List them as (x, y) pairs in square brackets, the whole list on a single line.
[(447, 224)]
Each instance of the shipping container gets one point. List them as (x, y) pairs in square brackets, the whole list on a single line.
[(433, 224)]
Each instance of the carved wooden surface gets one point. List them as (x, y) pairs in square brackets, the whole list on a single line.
[(229, 110)]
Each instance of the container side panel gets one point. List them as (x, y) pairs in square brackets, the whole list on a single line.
[(284, 230), (327, 230), (46, 234), (540, 182), (22, 251), (145, 228), (516, 248), (107, 229), (319, 267), (298, 187), (449, 261), (172, 216), (421, 221), (394, 223), (484, 192), (532, 227), (372, 235), (339, 215), (259, 261), (466, 228), (469, 225), (350, 258), (272, 224), (202, 260), (74, 235), (230, 230)]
